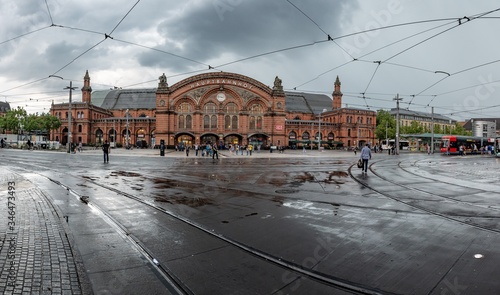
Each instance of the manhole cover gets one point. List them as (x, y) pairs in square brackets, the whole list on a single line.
[(287, 191)]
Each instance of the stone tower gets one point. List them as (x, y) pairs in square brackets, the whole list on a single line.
[(86, 89), (337, 95)]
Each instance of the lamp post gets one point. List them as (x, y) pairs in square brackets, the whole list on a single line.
[(71, 88), (386, 139), (397, 99), (126, 143), (319, 129)]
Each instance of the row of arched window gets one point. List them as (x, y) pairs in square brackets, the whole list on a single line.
[(349, 119), (211, 108), (79, 115), (210, 122)]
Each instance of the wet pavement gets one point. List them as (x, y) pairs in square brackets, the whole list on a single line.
[(270, 223)]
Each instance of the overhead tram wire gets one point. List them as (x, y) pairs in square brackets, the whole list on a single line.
[(24, 35), (123, 18), (328, 35), (383, 47), (162, 51), (454, 20), (83, 53), (456, 73), (468, 19), (48, 11)]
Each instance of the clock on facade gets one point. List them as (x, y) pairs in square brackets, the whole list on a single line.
[(162, 103), (221, 97)]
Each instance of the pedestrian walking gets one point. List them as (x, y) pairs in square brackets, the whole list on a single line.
[(187, 151), (366, 154), (215, 152), (80, 146), (105, 150)]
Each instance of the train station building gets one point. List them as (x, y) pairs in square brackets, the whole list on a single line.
[(219, 107)]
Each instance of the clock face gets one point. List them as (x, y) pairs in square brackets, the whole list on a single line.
[(221, 97)]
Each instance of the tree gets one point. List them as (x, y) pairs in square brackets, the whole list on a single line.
[(414, 128), (13, 120), (384, 119), (18, 119), (460, 130)]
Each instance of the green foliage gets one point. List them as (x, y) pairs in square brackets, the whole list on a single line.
[(384, 119), (460, 130), (17, 119)]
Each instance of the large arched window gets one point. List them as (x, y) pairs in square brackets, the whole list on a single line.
[(210, 108), (213, 122), (251, 124), (181, 121), (234, 122), (189, 122), (227, 122), (231, 108), (184, 107), (255, 119), (259, 123), (206, 122)]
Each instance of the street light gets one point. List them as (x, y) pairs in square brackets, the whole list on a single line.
[(397, 99), (126, 143), (319, 129), (386, 139), (71, 88)]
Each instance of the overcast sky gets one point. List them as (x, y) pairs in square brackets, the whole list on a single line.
[(442, 54)]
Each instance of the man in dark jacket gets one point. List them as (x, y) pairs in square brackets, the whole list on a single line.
[(105, 149)]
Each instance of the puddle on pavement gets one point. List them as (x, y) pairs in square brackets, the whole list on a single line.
[(89, 178), (307, 177), (183, 200), (162, 183), (125, 173)]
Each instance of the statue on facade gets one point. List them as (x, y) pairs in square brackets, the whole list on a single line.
[(277, 83), (163, 81)]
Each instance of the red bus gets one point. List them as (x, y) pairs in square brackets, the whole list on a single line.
[(450, 144)]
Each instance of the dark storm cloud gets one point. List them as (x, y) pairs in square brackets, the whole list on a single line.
[(207, 31)]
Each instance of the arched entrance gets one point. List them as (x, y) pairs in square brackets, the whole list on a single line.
[(112, 137), (258, 140), (141, 139), (153, 139), (98, 136), (64, 136), (125, 137), (184, 140), (233, 139), (292, 139), (209, 139)]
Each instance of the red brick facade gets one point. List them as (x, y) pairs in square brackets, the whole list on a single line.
[(220, 107)]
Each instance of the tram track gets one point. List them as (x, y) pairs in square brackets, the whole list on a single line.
[(162, 268), (425, 208)]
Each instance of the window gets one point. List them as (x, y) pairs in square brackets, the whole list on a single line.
[(213, 120), (231, 108), (255, 120), (181, 121), (210, 108), (234, 122), (184, 107), (227, 122), (206, 122), (79, 128), (189, 122)]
